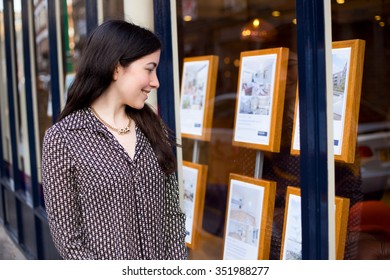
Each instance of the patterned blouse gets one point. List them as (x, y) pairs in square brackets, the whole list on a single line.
[(101, 204)]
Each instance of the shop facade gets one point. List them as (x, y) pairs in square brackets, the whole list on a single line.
[(263, 59)]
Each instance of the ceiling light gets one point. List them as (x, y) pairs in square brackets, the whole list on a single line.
[(187, 18), (258, 30)]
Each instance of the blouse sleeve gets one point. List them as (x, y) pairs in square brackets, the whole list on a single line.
[(175, 227), (60, 195)]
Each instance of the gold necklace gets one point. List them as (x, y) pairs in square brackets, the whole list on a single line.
[(120, 131)]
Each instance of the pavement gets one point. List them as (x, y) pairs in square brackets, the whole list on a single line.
[(8, 248)]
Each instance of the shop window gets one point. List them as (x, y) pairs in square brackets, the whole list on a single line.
[(5, 130), (25, 184), (236, 26), (74, 34), (42, 97)]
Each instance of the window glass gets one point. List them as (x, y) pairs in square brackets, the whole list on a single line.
[(74, 34), (235, 26), (227, 24), (20, 109), (42, 102), (367, 181), (5, 132)]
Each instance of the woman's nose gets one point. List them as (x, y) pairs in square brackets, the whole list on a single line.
[(154, 82)]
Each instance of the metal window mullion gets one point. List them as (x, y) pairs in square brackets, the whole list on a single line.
[(2, 167), (2, 173), (165, 26), (329, 112), (99, 12), (11, 61), (29, 73), (165, 96), (55, 51), (10, 53), (314, 158), (2, 163), (91, 8)]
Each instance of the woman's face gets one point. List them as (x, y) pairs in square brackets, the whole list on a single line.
[(134, 82)]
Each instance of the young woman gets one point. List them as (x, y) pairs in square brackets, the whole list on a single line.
[(107, 165)]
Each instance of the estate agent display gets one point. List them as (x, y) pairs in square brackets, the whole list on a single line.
[(199, 79), (260, 99), (198, 88), (194, 182), (258, 119), (258, 122), (347, 60), (249, 214), (292, 231)]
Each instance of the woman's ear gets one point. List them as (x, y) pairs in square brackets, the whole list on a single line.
[(116, 72)]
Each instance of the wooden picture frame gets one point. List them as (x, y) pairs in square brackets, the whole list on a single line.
[(199, 80), (348, 61), (194, 184), (260, 99), (249, 216), (292, 225)]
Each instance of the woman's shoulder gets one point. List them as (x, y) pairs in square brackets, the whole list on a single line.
[(56, 137), (75, 120)]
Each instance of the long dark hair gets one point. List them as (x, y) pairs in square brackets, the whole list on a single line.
[(113, 42)]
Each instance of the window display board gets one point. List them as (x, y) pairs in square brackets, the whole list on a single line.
[(194, 182), (249, 215), (291, 247), (260, 99), (199, 81), (347, 62)]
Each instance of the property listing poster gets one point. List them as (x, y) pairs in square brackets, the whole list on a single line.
[(242, 234), (340, 70), (193, 96), (341, 62), (190, 179), (292, 249), (255, 99), (296, 139)]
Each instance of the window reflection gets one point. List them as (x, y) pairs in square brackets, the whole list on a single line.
[(6, 137), (21, 111), (74, 34), (234, 26), (43, 108), (42, 66)]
